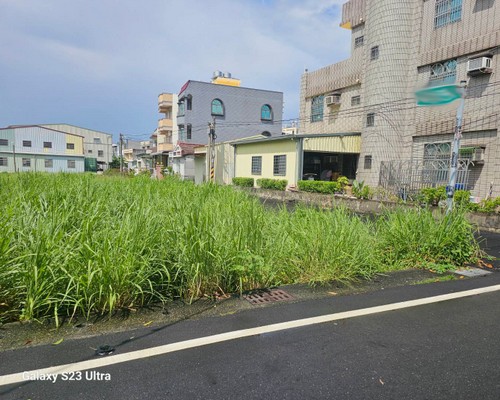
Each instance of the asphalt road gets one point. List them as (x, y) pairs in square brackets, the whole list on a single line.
[(444, 350)]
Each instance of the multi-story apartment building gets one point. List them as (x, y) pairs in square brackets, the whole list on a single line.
[(37, 148), (166, 133), (397, 47), (236, 111), (97, 145)]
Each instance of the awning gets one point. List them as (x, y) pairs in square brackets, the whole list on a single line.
[(333, 144)]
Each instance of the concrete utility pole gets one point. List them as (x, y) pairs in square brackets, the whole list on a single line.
[(211, 151), (14, 155), (455, 151), (121, 153)]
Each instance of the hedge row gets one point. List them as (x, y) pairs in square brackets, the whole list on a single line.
[(320, 186), (275, 184), (244, 182)]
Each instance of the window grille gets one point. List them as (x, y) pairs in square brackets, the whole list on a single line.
[(359, 41), (355, 100), (279, 165), (374, 53), (447, 12), (443, 73), (317, 108), (256, 165), (368, 162), (370, 119)]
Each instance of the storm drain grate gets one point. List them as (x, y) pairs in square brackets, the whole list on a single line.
[(268, 296)]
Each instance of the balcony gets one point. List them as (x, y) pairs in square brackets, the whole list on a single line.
[(167, 146), (165, 102), (164, 125)]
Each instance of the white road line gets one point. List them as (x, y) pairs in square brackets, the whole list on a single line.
[(222, 337)]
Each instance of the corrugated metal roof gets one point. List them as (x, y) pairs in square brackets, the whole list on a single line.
[(293, 137)]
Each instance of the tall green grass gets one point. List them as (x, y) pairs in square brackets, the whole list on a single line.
[(84, 244)]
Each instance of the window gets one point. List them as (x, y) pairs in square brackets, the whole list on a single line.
[(355, 100), (188, 132), (374, 53), (443, 73), (70, 146), (71, 164), (256, 165), (3, 162), (217, 107), (189, 103), (359, 41), (4, 142), (266, 113), (49, 163), (89, 151), (26, 162), (97, 140), (368, 162), (181, 132), (370, 119), (279, 165), (47, 145), (317, 108), (26, 143), (447, 12), (100, 153), (181, 111), (440, 151)]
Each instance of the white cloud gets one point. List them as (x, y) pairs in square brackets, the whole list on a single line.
[(127, 52)]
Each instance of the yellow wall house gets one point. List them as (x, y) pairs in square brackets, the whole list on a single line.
[(298, 157)]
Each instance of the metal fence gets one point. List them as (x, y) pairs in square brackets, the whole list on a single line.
[(406, 178)]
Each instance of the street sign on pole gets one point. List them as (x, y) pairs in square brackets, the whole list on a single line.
[(440, 95)]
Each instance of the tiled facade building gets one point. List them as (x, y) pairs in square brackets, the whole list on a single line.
[(397, 47)]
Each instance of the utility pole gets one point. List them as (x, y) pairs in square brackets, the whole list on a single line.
[(14, 154), (121, 153), (211, 151), (455, 150)]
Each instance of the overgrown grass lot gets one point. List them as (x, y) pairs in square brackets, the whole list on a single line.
[(85, 245)]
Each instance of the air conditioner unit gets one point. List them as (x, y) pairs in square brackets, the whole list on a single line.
[(481, 65), (333, 99), (478, 155)]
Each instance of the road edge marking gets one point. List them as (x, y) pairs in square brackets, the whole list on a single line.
[(19, 377)]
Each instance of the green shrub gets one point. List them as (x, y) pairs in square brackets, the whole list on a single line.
[(243, 182), (274, 184), (360, 190), (432, 196), (319, 187), (343, 181), (489, 205), (461, 199)]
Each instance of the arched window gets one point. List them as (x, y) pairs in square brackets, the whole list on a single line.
[(217, 107), (266, 113)]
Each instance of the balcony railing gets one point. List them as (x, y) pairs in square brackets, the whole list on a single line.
[(167, 146), (165, 101), (165, 124)]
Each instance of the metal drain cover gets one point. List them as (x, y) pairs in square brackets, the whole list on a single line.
[(268, 296)]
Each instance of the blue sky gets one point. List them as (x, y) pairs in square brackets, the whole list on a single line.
[(101, 64)]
